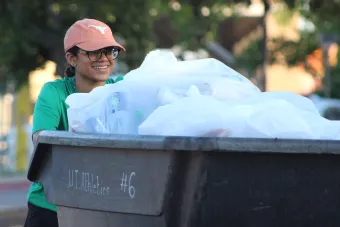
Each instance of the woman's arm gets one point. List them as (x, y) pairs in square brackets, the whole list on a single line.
[(47, 111)]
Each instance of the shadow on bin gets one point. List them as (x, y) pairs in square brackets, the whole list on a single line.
[(115, 180)]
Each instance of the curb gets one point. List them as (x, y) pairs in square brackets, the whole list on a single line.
[(13, 209)]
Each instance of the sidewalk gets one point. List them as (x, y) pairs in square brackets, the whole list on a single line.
[(14, 183), (13, 192), (13, 217)]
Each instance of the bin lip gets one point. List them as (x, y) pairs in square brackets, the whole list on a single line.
[(171, 143)]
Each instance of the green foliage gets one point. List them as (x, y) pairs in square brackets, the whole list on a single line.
[(335, 80), (295, 52), (284, 16), (324, 14), (32, 32), (251, 57)]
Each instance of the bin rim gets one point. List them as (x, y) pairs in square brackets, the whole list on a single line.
[(181, 143), (172, 143)]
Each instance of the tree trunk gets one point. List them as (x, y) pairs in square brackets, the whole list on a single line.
[(263, 81)]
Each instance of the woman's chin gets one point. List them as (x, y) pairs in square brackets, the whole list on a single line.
[(101, 76)]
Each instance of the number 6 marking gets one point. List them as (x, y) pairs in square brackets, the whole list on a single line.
[(132, 191)]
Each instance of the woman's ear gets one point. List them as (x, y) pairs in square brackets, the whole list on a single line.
[(71, 59)]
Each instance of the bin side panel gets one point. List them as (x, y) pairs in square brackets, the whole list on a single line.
[(254, 189), (127, 181), (38, 162), (42, 168)]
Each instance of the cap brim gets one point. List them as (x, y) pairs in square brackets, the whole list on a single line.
[(99, 44)]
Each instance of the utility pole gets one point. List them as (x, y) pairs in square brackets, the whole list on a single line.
[(326, 41), (264, 48)]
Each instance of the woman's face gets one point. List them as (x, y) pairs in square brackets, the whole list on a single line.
[(95, 66)]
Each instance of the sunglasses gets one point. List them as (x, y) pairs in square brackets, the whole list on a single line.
[(111, 53)]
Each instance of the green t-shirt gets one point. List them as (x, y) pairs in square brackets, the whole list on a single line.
[(50, 113)]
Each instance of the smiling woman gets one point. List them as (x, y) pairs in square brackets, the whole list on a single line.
[(84, 44), (90, 50), (99, 67)]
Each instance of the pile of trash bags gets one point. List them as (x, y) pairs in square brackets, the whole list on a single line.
[(168, 97)]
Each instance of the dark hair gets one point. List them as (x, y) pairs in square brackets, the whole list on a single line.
[(70, 71)]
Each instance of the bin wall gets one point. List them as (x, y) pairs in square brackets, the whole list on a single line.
[(126, 181), (247, 189), (188, 182)]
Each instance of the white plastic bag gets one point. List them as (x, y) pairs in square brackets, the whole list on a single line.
[(296, 100), (118, 108), (194, 98), (277, 119), (324, 128), (279, 115), (269, 115), (189, 116), (161, 69), (113, 108)]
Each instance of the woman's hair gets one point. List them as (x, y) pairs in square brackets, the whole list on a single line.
[(70, 71)]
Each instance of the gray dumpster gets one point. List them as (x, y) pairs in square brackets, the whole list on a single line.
[(113, 180)]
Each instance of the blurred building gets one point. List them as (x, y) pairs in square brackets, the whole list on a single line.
[(16, 120), (234, 34), (279, 76), (6, 111), (39, 77)]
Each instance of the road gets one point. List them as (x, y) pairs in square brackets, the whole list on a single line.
[(12, 199), (13, 218), (13, 207)]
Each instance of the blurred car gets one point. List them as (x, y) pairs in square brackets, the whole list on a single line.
[(329, 108)]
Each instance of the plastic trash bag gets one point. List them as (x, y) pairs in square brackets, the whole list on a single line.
[(194, 98), (161, 69), (189, 116), (298, 101), (111, 108), (277, 119), (120, 107), (269, 115)]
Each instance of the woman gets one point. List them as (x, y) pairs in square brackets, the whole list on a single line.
[(90, 51)]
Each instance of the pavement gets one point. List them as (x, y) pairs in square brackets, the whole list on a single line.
[(14, 183), (13, 217), (13, 202)]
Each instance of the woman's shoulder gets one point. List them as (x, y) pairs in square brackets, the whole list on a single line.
[(49, 88), (57, 87)]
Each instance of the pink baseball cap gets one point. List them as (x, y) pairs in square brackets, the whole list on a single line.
[(90, 34)]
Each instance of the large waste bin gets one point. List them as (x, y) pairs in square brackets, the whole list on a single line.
[(114, 180)]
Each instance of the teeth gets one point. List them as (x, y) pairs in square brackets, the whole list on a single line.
[(100, 67)]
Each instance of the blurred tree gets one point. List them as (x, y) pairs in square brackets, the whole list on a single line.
[(325, 17), (32, 32), (307, 52)]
